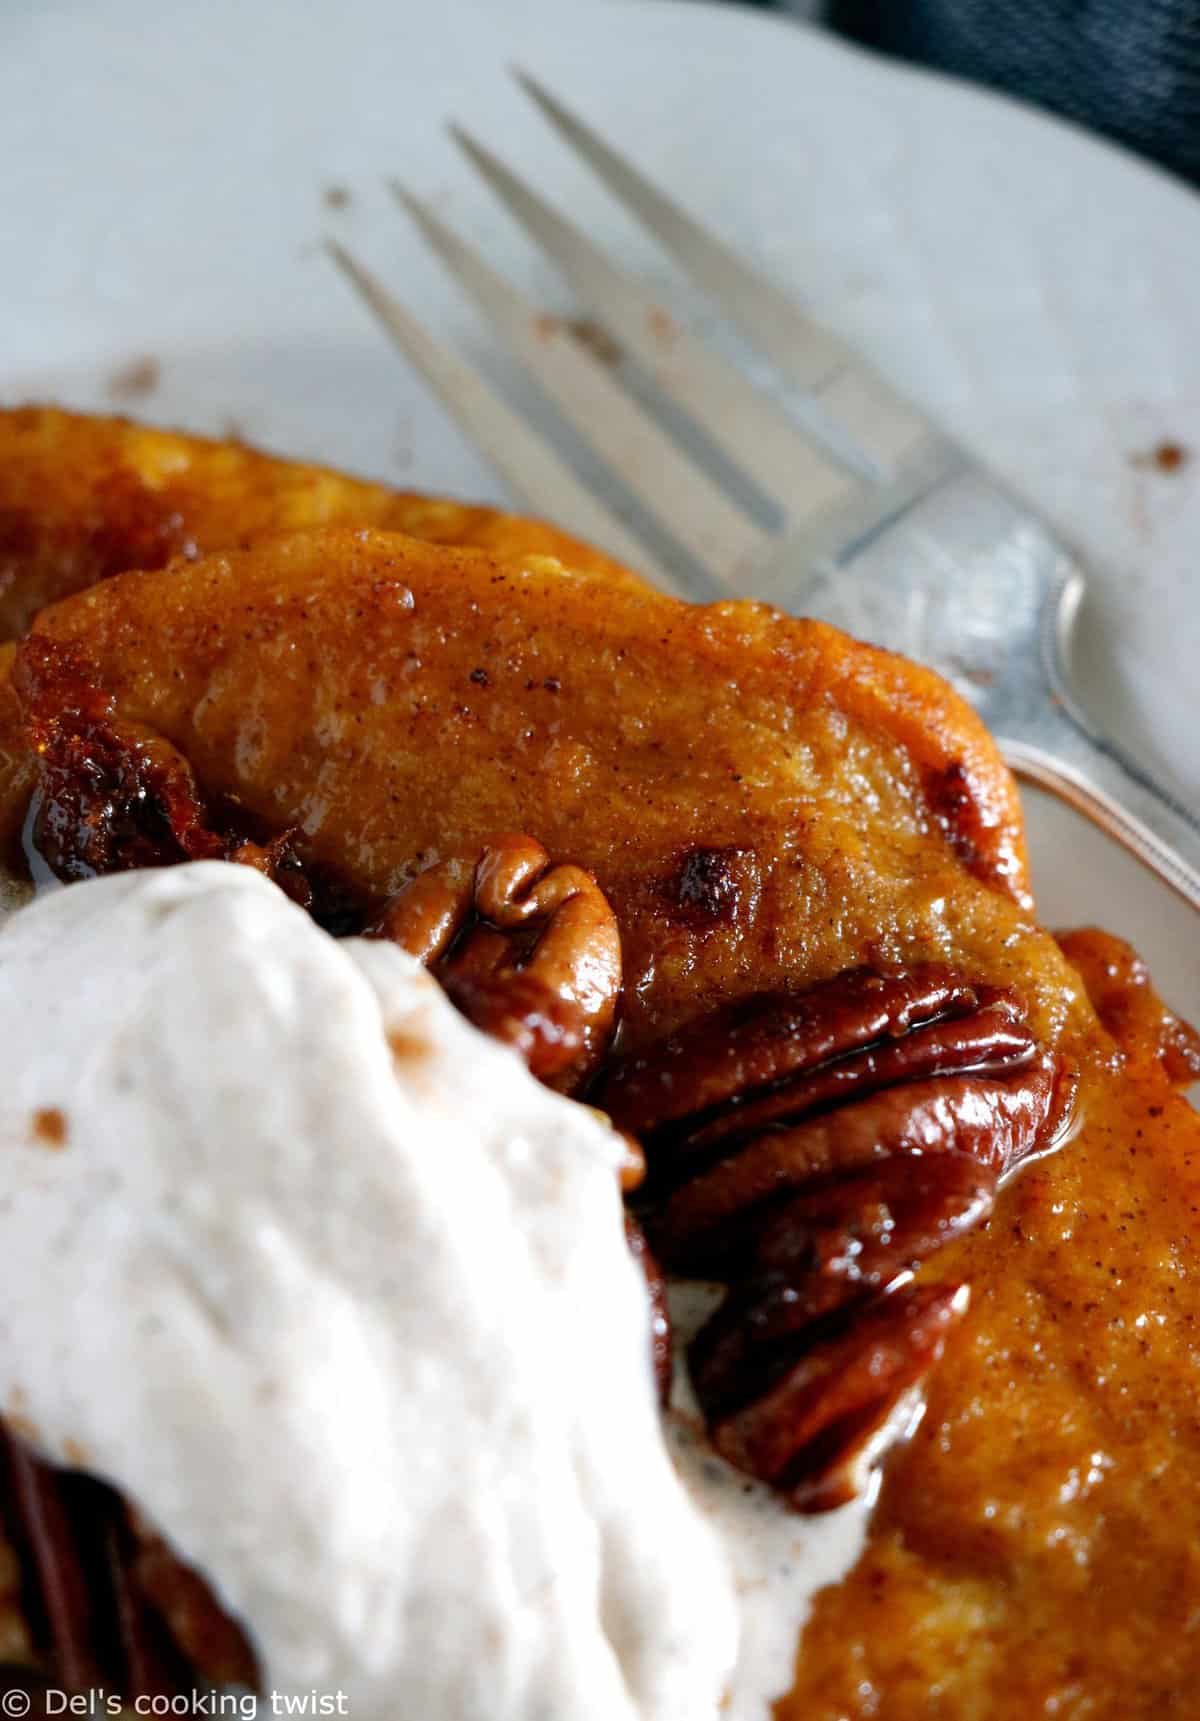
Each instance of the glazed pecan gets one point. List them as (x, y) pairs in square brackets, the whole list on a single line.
[(809, 1151), (661, 1355), (108, 1605), (528, 950), (202, 1632)]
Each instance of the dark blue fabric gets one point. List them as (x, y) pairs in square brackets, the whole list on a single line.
[(1130, 68)]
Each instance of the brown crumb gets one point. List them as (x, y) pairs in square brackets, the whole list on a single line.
[(546, 325), (408, 1048), (75, 1454), (137, 378), (1165, 456), (337, 197), (50, 1126), (662, 326), (596, 338)]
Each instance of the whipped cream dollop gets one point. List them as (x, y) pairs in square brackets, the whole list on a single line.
[(326, 1283)]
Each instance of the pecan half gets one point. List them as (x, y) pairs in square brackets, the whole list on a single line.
[(529, 951), (202, 1632), (810, 1151), (814, 1430), (108, 1604), (660, 1321)]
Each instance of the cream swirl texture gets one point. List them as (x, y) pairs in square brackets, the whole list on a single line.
[(322, 1279)]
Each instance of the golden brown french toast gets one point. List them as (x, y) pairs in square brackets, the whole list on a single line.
[(769, 807), (399, 703), (82, 498)]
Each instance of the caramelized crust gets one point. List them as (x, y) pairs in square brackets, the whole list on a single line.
[(1119, 986), (82, 498), (400, 705)]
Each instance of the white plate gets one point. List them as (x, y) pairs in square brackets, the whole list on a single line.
[(165, 176)]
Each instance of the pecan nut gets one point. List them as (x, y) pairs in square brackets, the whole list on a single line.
[(815, 1430), (810, 1151), (529, 951), (108, 1604), (661, 1357)]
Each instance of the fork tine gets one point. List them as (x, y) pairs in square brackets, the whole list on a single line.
[(750, 428), (889, 432), (526, 462), (715, 532)]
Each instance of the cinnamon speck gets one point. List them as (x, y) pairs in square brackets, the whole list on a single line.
[(50, 1126), (75, 1454), (596, 339), (407, 1048), (1167, 456), (546, 325), (337, 197), (662, 326), (134, 380)]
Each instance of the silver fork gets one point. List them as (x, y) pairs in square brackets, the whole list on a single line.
[(888, 527)]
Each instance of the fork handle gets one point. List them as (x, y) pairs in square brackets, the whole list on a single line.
[(1061, 754)]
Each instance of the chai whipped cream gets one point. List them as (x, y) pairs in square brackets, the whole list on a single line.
[(339, 1295), (779, 1559)]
